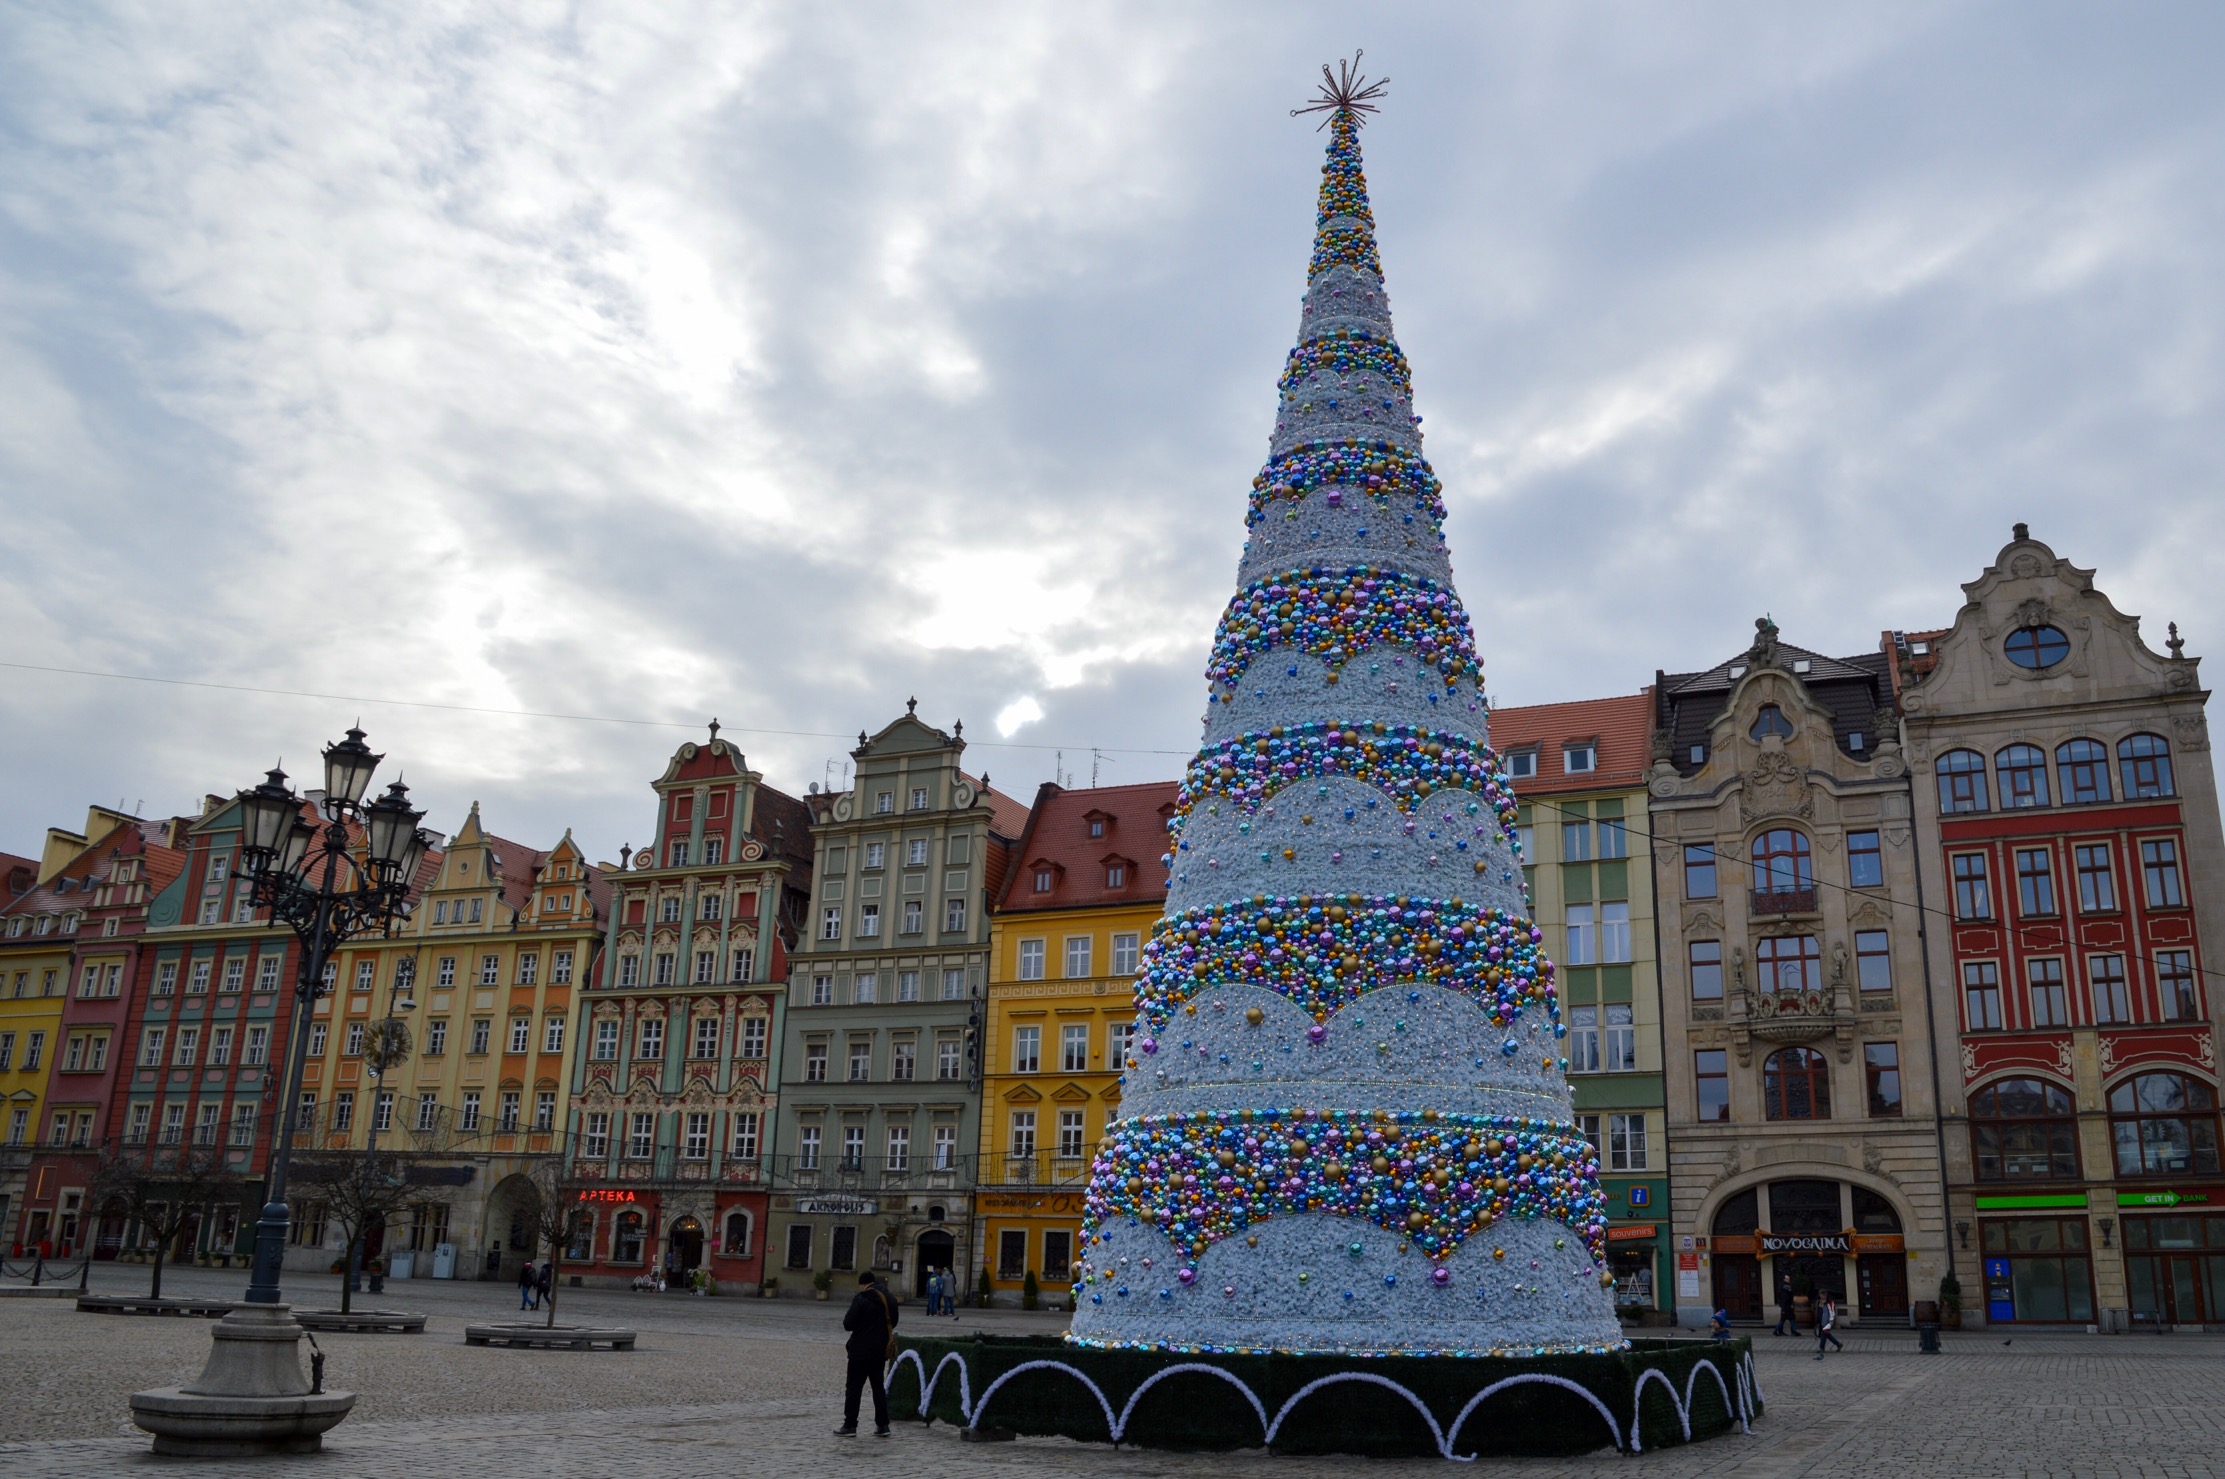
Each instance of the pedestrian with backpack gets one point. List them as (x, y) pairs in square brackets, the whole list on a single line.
[(871, 1322), (1826, 1317)]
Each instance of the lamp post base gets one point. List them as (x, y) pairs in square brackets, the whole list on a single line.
[(251, 1398), (270, 1254)]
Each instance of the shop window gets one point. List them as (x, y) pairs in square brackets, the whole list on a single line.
[(1012, 1253), (2023, 773), (1962, 782), (579, 1246), (2024, 1129), (843, 1251), (2164, 1124), (625, 1239), (1796, 1085), (2175, 1269), (2037, 1269), (799, 1245), (737, 1235), (2082, 771)]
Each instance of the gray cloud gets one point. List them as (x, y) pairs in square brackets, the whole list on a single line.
[(784, 362)]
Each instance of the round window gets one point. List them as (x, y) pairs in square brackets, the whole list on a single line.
[(2037, 647)]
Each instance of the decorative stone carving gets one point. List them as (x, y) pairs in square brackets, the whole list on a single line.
[(1775, 787), (2189, 730)]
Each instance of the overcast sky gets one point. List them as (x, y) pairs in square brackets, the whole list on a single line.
[(782, 362)]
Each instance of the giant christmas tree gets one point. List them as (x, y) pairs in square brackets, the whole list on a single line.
[(1346, 1119)]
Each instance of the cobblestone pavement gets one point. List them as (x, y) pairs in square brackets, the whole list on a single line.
[(726, 1386)]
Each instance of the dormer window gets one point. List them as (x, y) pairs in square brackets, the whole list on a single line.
[(1738, 671), (1042, 880), (1770, 721), (1522, 765), (1802, 665), (1580, 759), (1857, 740), (1116, 876), (1096, 826), (1919, 649)]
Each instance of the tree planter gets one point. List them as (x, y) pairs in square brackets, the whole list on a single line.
[(1657, 1394)]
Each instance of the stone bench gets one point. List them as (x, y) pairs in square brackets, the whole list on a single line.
[(544, 1338), (139, 1304), (361, 1322)]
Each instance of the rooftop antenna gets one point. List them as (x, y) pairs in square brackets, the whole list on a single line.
[(1097, 757)]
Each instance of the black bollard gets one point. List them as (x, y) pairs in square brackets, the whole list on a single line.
[(1927, 1338)]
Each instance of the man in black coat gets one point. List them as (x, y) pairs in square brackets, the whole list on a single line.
[(871, 1317)]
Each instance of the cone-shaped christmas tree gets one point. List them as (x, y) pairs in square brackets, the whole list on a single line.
[(1346, 1124)]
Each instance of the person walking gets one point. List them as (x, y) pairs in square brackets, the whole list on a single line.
[(544, 1283), (1827, 1315), (528, 1288), (938, 1291), (871, 1321), (1784, 1305)]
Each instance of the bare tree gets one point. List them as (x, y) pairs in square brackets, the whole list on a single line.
[(357, 1189), (163, 1188), (557, 1198)]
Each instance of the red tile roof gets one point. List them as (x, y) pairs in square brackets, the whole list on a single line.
[(1007, 817), (1621, 728), (1133, 834)]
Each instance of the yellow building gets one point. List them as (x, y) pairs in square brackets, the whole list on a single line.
[(500, 936), (39, 928), (1065, 945)]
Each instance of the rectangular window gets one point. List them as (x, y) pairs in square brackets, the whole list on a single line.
[(1126, 950), (343, 1111), (664, 970), (866, 988), (1981, 995), (509, 1121), (915, 853), (830, 922), (649, 1047), (135, 1133), (629, 970), (235, 973), (1070, 1134), (1074, 1048), (822, 991), (2035, 882), (709, 907), (807, 1148), (706, 1038), (1621, 1046), (366, 975), (595, 1141), (529, 970), (799, 1245), (1027, 1049), (2097, 881), (869, 921), (745, 1136), (1023, 1132), (1614, 933), (467, 1117), (954, 985), (919, 798), (354, 1049), (853, 1147), (946, 1147), (1873, 959), (1058, 1253), (552, 1035), (695, 1136), (1581, 946), (317, 1032), (1865, 860), (1521, 765), (243, 1124), (2050, 1008), (1626, 1142), (815, 1063), (753, 1037), (258, 1046), (205, 1127), (2159, 866), (1579, 759), (173, 1125), (1706, 958), (1031, 960), (606, 1041), (1583, 1040), (1881, 1064), (382, 1111), (903, 1063), (1973, 897), (915, 916), (1614, 838), (2112, 1001), (166, 979), (679, 854), (266, 973), (150, 1047), (444, 972), (641, 1135), (861, 1059), (521, 1034), (220, 1046), (2174, 974), (560, 968), (954, 916), (745, 965), (876, 854), (197, 983), (1699, 870), (189, 1048), (898, 1157), (947, 1060), (1077, 957), (706, 967), (428, 1111), (1118, 1037), (907, 985), (1576, 842), (1012, 1253), (1525, 844), (490, 970), (35, 1045)]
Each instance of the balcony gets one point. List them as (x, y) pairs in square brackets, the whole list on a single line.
[(666, 1166), (1036, 1168), (1783, 901), (913, 1173)]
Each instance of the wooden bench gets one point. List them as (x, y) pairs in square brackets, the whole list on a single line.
[(543, 1338), (362, 1322)]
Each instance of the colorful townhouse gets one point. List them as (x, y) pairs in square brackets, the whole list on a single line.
[(37, 941), (672, 1068), (115, 881), (1066, 944), (489, 964), (2073, 860), (1579, 772), (880, 1066)]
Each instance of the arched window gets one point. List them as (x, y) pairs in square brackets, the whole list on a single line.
[(2024, 1129), (2036, 647), (579, 1246), (2082, 767), (2023, 772), (1962, 782), (1781, 862), (625, 1239), (2144, 761), (2164, 1124), (1788, 963), (737, 1235), (1771, 720), (1796, 1085)]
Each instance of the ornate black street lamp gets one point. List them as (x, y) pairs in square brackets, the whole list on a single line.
[(318, 880)]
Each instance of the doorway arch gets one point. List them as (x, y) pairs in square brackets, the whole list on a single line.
[(683, 1248), (937, 1250)]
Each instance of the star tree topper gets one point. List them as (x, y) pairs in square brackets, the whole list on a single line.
[(1345, 91)]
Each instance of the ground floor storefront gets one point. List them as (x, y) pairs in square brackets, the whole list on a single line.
[(622, 1236), (819, 1241), (1797, 1240), (1029, 1234), (2115, 1257)]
